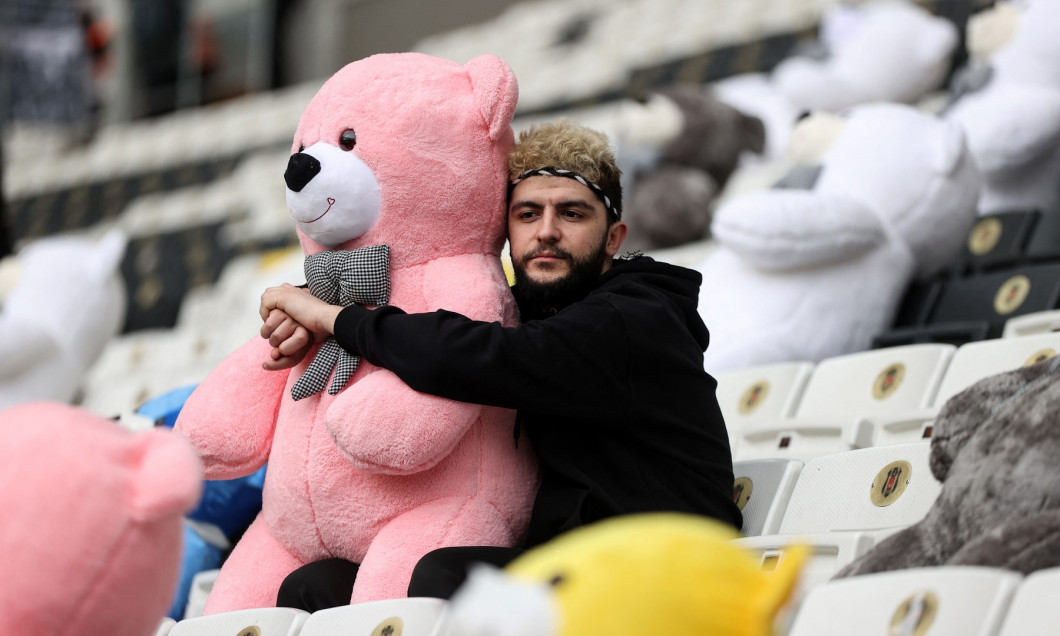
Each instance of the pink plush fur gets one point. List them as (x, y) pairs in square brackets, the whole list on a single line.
[(90, 542), (380, 474)]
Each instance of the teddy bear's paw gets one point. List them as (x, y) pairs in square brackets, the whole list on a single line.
[(1024, 545), (382, 426)]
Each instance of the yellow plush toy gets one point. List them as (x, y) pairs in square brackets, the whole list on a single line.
[(660, 573)]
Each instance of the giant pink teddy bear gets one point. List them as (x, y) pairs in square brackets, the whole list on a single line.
[(93, 518), (409, 151)]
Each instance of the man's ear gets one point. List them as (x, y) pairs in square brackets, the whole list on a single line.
[(615, 235)]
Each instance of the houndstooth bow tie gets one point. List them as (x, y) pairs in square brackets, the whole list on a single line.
[(342, 277)]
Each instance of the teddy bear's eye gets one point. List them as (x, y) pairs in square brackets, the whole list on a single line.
[(348, 139), (557, 580)]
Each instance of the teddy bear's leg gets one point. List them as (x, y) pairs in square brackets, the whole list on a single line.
[(906, 549), (1025, 545), (253, 572), (387, 566)]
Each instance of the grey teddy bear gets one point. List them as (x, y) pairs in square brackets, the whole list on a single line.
[(996, 450), (669, 204)]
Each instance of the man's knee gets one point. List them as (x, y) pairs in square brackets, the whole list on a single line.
[(319, 585), (440, 573)]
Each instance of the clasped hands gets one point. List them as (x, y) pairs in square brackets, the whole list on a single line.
[(294, 320)]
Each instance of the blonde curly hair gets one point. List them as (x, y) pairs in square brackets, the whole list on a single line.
[(566, 145)]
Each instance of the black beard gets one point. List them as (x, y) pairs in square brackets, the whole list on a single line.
[(537, 299)]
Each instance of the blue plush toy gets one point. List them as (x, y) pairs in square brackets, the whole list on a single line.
[(223, 514)]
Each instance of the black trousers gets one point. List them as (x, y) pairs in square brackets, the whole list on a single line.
[(329, 583)]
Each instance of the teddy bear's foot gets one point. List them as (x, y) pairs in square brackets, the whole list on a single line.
[(252, 574), (1025, 545)]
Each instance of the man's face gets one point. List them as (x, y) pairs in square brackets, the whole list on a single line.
[(557, 229)]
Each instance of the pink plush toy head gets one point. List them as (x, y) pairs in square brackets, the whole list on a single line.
[(91, 538), (369, 167)]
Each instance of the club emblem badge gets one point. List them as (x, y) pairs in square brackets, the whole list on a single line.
[(888, 381), (890, 483), (1011, 294), (1040, 356), (392, 626), (250, 631), (984, 236), (915, 615), (753, 397), (741, 491)]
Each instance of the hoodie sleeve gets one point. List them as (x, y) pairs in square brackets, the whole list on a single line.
[(574, 364)]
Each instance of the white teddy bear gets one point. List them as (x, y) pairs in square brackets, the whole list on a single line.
[(65, 302), (1013, 121), (805, 274), (889, 51), (880, 51)]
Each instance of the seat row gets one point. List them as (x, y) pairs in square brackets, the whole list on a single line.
[(872, 398), (1010, 266), (943, 601)]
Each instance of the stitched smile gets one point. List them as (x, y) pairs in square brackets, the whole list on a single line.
[(331, 202)]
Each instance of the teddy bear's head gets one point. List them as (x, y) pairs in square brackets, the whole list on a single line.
[(913, 169), (1022, 40), (72, 287), (409, 150), (647, 573), (91, 539)]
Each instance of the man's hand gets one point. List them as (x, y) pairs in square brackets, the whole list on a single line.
[(290, 341), (291, 315)]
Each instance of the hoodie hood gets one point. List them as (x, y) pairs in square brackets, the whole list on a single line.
[(679, 284)]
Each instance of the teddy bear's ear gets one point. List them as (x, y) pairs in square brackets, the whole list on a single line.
[(948, 149), (168, 478), (496, 92)]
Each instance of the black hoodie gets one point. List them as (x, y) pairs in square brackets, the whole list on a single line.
[(610, 389)]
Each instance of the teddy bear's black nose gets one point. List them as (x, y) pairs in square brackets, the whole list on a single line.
[(300, 170)]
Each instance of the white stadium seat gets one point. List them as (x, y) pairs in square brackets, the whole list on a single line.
[(867, 489), (1032, 610), (941, 601), (267, 621), (1032, 324), (829, 552), (165, 626), (762, 490), (762, 393), (971, 362), (405, 616), (840, 397)]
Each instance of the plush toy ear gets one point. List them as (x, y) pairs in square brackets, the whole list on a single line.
[(496, 92), (169, 477), (948, 148), (109, 251)]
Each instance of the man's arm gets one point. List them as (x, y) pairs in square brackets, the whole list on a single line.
[(574, 363)]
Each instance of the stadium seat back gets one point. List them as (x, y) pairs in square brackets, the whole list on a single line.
[(762, 490), (406, 616), (879, 381), (1032, 610), (977, 360), (266, 621), (866, 489), (941, 601)]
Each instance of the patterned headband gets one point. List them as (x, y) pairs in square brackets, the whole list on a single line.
[(613, 210)]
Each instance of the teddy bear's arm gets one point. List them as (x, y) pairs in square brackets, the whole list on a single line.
[(779, 230), (230, 416), (1014, 127), (383, 426)]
